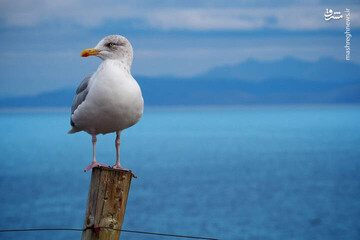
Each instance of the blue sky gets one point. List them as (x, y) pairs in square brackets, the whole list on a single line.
[(41, 40)]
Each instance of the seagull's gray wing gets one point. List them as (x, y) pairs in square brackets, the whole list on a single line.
[(80, 96)]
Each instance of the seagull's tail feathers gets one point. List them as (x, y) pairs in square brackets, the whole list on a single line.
[(73, 130)]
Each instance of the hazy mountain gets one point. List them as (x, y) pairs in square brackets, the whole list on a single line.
[(288, 81), (325, 69)]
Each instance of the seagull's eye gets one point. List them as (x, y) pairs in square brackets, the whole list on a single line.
[(110, 44)]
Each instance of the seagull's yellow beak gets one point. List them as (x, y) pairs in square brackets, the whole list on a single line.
[(89, 52)]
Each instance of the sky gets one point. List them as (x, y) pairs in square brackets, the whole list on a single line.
[(41, 40)]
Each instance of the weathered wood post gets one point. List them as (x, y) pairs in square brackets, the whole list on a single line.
[(108, 194)]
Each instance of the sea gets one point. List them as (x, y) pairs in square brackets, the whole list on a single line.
[(236, 173)]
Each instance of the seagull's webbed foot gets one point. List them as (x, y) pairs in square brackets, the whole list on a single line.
[(95, 164), (118, 167)]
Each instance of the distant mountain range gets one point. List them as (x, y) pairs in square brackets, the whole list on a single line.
[(287, 81)]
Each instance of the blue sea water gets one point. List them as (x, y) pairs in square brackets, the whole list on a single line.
[(230, 173)]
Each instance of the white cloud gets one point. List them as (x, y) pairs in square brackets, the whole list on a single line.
[(94, 14), (203, 19), (288, 18), (34, 12)]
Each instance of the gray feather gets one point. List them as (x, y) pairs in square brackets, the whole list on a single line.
[(80, 96)]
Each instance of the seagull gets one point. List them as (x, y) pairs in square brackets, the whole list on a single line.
[(108, 100)]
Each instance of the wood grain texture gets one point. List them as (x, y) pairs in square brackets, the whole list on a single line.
[(106, 204)]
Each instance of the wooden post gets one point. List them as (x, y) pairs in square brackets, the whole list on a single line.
[(108, 194)]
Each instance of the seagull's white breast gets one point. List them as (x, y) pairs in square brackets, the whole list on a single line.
[(114, 101)]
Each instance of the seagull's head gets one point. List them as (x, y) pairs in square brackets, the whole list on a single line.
[(111, 47)]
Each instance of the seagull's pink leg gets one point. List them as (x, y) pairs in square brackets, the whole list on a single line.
[(94, 163), (117, 145)]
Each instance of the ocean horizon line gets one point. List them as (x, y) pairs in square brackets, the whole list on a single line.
[(184, 107)]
